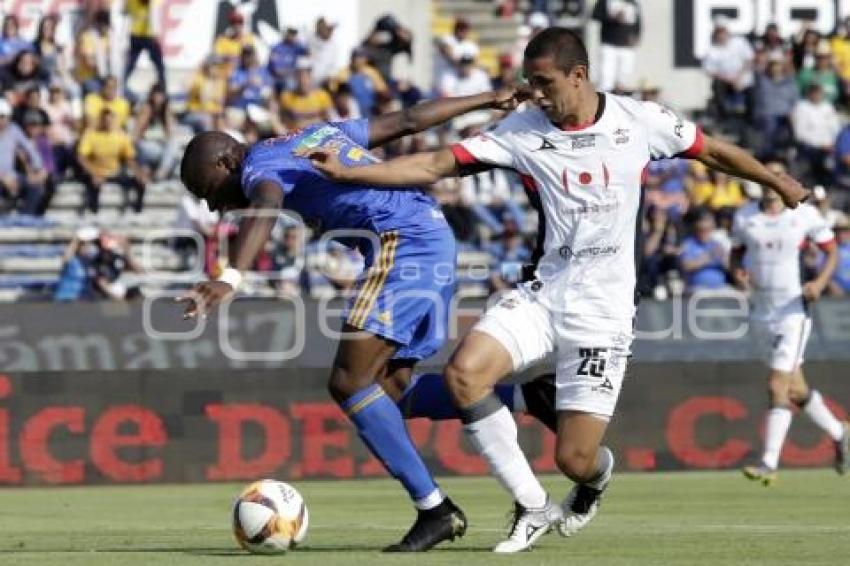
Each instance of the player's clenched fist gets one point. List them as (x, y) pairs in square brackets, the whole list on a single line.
[(793, 192), (508, 98), (204, 297)]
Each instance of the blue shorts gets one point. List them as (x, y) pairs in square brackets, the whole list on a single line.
[(406, 290)]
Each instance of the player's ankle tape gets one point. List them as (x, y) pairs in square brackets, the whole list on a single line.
[(480, 410)]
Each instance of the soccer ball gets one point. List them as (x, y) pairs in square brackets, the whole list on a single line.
[(269, 517)]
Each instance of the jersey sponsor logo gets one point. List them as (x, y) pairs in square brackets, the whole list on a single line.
[(589, 210), (545, 144), (582, 141), (621, 136), (567, 252)]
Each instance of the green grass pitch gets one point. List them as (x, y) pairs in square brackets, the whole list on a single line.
[(647, 519)]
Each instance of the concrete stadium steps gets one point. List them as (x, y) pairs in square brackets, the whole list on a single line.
[(158, 258)]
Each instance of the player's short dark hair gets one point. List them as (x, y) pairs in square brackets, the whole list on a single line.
[(563, 45), (200, 157)]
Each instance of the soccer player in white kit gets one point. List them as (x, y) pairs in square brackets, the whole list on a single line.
[(585, 152), (766, 262)]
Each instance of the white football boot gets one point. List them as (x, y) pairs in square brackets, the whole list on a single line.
[(528, 525), (579, 508)]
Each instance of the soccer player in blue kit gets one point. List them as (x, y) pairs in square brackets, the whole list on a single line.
[(399, 313)]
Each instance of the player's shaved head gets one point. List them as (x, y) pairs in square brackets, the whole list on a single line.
[(565, 47), (210, 169)]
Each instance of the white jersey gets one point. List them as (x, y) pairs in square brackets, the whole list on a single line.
[(589, 180), (772, 258)]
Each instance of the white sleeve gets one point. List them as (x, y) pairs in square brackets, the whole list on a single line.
[(817, 230), (668, 134), (494, 147)]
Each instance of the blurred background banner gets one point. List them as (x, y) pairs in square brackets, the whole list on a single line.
[(111, 336), (185, 426)]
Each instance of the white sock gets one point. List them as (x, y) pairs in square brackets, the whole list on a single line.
[(822, 416), (495, 438), (605, 463), (431, 500), (776, 429), (519, 399)]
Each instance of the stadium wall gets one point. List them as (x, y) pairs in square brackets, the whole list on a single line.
[(59, 428)]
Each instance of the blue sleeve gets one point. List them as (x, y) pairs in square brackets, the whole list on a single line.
[(842, 145), (356, 130), (273, 168), (688, 251)]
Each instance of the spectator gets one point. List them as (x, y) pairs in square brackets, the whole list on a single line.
[(305, 104), (364, 81), (620, 27), (457, 212), (507, 76), (52, 55), (113, 260), (659, 254), (155, 136), (93, 53), (670, 175), (143, 37), (63, 118), (451, 48), (805, 44), (22, 74), (250, 84), (727, 193), (816, 126), (822, 74), (34, 122), (338, 267), (823, 202), (75, 276), (509, 255), (235, 38), (842, 160), (106, 154), (11, 42), (325, 52), (840, 46), (288, 262), (206, 95), (345, 107), (771, 41), (729, 64), (195, 230), (27, 187), (466, 80), (107, 97), (775, 96), (283, 59), (389, 41), (703, 259), (840, 285)]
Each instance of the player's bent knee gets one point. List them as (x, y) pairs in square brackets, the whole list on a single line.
[(575, 462), (344, 383)]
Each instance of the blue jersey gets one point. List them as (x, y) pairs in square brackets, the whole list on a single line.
[(332, 205)]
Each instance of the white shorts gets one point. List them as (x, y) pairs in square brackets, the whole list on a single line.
[(782, 341), (590, 353)]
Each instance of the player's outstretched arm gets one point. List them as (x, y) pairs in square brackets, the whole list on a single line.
[(406, 171), (432, 113), (254, 232), (733, 160)]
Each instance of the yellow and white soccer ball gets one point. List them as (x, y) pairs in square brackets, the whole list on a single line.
[(269, 517)]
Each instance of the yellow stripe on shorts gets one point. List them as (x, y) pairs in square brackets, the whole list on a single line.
[(375, 281)]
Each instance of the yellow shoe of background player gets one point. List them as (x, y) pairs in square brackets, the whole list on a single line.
[(767, 476)]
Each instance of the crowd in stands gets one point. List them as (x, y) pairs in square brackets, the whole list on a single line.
[(67, 116)]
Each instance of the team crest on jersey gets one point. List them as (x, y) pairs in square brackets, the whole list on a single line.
[(582, 141)]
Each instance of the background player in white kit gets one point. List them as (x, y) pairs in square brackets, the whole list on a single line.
[(585, 152), (766, 261)]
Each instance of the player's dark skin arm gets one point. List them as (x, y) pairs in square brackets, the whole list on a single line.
[(432, 113), (254, 232), (740, 276), (733, 160), (815, 288)]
